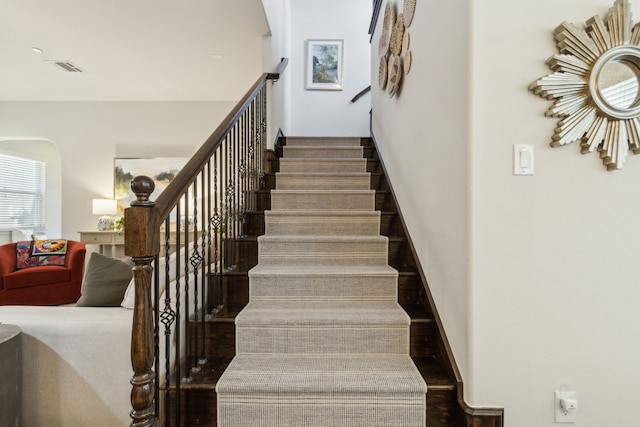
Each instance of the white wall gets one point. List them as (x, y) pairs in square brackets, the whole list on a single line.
[(555, 295), (533, 276), (330, 113), (275, 46), (89, 135), (423, 138)]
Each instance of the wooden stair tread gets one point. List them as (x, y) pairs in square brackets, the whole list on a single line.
[(433, 373), (227, 314), (417, 313), (206, 378)]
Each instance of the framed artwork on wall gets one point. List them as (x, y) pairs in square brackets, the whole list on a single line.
[(161, 169), (324, 64)]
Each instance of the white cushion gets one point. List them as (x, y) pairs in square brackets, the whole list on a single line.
[(129, 295), (19, 235)]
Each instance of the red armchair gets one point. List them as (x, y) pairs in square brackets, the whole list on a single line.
[(42, 285)]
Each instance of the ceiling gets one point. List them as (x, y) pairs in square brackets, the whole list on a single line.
[(130, 50)]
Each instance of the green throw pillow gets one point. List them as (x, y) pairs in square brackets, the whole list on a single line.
[(105, 281)]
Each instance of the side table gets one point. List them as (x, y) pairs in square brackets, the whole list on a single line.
[(111, 243), (11, 374)]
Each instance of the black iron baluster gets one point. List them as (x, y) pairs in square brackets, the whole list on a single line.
[(252, 172), (216, 222), (187, 378), (263, 133), (234, 193), (229, 251), (178, 311), (167, 317), (243, 172), (195, 260), (206, 277)]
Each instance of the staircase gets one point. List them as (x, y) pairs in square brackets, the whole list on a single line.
[(273, 215), (323, 341)]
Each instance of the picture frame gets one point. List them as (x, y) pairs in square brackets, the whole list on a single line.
[(324, 64), (161, 169)]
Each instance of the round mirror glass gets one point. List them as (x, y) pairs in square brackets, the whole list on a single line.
[(618, 84)]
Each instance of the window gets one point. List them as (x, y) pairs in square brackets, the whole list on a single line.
[(22, 193)]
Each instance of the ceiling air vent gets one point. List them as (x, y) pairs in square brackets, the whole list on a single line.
[(67, 66)]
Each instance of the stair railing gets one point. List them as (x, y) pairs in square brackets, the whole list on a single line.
[(181, 245), (360, 94)]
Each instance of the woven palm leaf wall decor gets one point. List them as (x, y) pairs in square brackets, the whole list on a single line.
[(394, 46)]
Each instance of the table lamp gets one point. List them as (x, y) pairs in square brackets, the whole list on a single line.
[(105, 208)]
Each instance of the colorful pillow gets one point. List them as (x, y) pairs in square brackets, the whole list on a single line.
[(40, 252)]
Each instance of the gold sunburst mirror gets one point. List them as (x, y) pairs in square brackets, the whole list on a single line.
[(596, 86)]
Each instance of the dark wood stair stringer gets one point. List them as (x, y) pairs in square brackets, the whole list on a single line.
[(462, 415), (429, 349)]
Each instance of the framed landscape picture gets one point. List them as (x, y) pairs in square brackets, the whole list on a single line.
[(324, 64), (161, 169)]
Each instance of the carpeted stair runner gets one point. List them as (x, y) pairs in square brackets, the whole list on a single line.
[(323, 341)]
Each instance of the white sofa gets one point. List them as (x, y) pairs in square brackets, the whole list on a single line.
[(76, 363)]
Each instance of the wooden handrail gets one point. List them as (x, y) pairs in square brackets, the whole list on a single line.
[(275, 76), (361, 94), (170, 197), (142, 243)]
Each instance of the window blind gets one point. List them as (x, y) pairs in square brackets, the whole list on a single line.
[(22, 193)]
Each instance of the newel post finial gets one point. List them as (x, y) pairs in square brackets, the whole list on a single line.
[(142, 186)]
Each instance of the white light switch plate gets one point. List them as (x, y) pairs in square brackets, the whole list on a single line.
[(523, 159)]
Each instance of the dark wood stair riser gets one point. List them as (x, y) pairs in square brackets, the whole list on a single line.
[(219, 338), (379, 182), (269, 181), (198, 408), (246, 253), (263, 199), (421, 338), (374, 166), (231, 289), (370, 153), (408, 288), (254, 224), (390, 224), (398, 250), (384, 202), (273, 163), (439, 405)]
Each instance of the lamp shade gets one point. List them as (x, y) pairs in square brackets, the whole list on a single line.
[(104, 207)]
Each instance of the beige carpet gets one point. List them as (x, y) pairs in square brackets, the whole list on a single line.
[(323, 341)]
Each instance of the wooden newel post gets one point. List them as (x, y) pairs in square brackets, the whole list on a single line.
[(142, 353), (142, 245)]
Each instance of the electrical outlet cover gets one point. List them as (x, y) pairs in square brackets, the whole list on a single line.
[(561, 415)]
